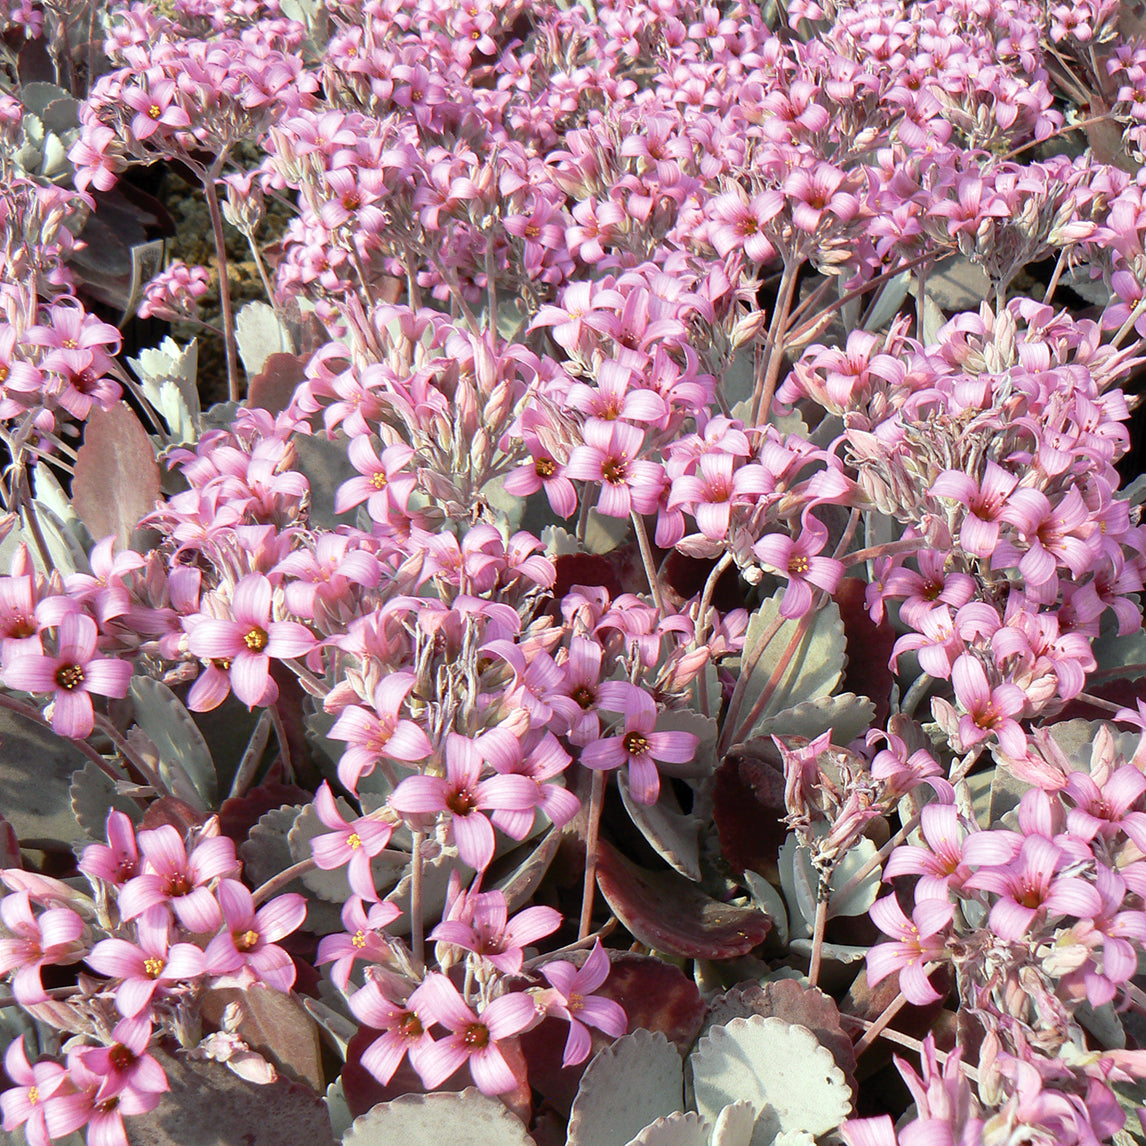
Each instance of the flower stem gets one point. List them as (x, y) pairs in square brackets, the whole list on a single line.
[(417, 923), (818, 934), (596, 803), (277, 882), (880, 1025), (647, 557), (230, 343), (770, 374), (249, 764)]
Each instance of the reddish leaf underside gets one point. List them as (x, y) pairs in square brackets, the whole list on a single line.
[(670, 914), (117, 477)]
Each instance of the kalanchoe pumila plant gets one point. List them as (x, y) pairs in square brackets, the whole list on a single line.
[(671, 569)]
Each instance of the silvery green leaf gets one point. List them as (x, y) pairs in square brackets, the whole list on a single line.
[(779, 1067), (1126, 653), (770, 901), (801, 883), (466, 1118), (674, 835), (92, 794), (627, 1086), (863, 895), (603, 534), (844, 714), (260, 334), (54, 160), (888, 301), (184, 759), (146, 263), (812, 671), (435, 885)]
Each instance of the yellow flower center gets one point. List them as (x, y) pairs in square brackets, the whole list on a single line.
[(247, 940), (256, 640), (69, 677)]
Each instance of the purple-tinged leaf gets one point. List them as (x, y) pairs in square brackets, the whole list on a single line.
[(276, 1026), (208, 1104), (665, 911), (117, 477)]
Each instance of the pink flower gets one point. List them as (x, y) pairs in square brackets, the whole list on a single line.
[(738, 222), (483, 927), (796, 561), (35, 942), (246, 947), (125, 1065), (373, 734), (710, 494), (988, 710), (26, 1103), (473, 1038), (816, 191), (1030, 886), (405, 1029), (243, 647), (570, 997), (985, 503), (364, 938), (170, 877), (72, 676), (641, 746), (147, 966), (381, 485), (153, 106), (117, 861), (350, 845), (917, 942), (609, 456), (941, 863), (464, 795)]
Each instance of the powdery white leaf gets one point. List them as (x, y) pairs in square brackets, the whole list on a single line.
[(629, 1085), (184, 759), (681, 1129), (466, 1118), (340, 1116), (734, 1125), (260, 334), (779, 1067), (168, 376)]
